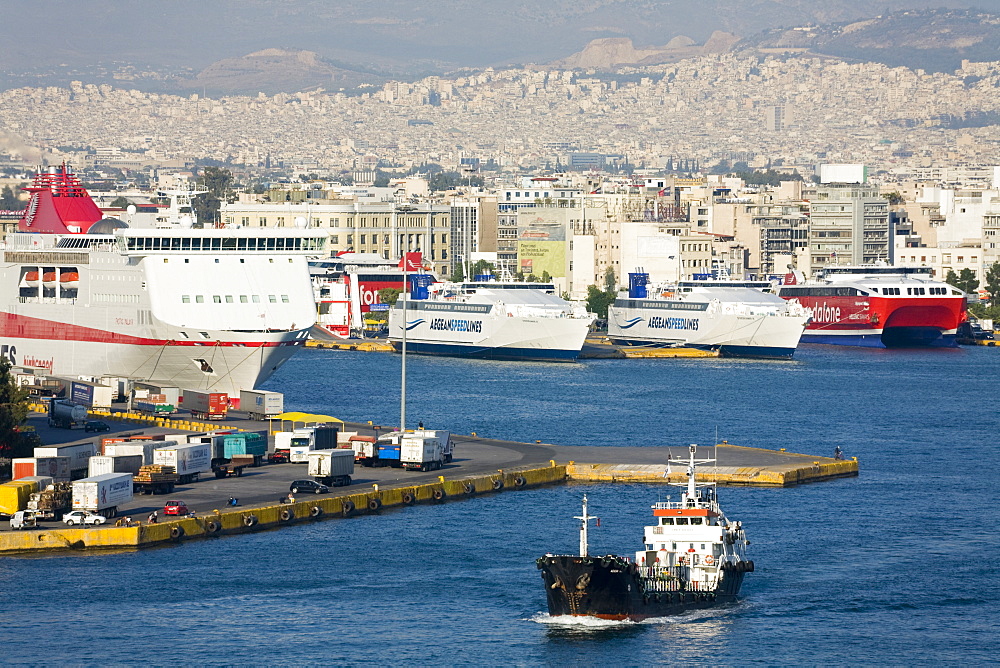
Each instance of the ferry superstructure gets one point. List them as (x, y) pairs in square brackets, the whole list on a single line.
[(489, 320), (212, 309), (692, 557), (737, 318), (878, 306)]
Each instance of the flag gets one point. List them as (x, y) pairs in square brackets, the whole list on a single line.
[(411, 261)]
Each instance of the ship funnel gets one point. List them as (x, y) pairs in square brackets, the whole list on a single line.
[(418, 286), (637, 282)]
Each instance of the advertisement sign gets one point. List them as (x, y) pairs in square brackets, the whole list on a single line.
[(541, 247)]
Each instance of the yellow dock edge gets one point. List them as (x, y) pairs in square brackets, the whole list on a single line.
[(249, 519), (750, 476), (364, 346)]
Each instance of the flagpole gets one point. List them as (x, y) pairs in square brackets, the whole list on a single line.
[(402, 383)]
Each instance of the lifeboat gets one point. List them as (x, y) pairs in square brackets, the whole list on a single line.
[(31, 279), (49, 279), (69, 279)]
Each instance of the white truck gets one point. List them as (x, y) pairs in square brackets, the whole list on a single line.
[(189, 461), (102, 494), (331, 467), (301, 442), (423, 453), (144, 448), (260, 404), (447, 445), (79, 455), (101, 464)]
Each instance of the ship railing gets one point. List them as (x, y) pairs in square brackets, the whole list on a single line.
[(672, 578)]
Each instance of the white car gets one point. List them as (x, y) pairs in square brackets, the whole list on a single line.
[(83, 517)]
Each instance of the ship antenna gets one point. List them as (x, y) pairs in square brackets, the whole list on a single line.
[(584, 525)]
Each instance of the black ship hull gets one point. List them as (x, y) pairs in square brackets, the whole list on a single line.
[(611, 587)]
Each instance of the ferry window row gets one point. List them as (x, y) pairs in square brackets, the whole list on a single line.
[(231, 299), (819, 292), (222, 243)]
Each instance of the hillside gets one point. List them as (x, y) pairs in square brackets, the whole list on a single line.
[(932, 40), (271, 71)]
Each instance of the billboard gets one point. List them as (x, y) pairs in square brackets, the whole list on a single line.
[(541, 247)]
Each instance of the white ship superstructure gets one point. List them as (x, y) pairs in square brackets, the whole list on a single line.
[(213, 309), (490, 320)]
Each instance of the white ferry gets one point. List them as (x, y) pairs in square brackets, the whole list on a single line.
[(212, 309), (737, 318), (489, 320)]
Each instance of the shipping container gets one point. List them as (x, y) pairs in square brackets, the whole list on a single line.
[(205, 405), (91, 395), (101, 464), (102, 494), (144, 448), (260, 404), (244, 443), (447, 444), (331, 467), (154, 408), (14, 496), (188, 460), (421, 453), (56, 468), (78, 454)]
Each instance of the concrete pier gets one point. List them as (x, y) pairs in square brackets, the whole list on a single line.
[(481, 466)]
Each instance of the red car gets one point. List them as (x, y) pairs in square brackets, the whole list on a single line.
[(175, 508)]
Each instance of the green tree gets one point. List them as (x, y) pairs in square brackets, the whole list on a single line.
[(119, 202), (14, 440), (992, 283), (599, 300), (482, 267), (218, 182), (389, 295), (895, 197), (9, 200), (458, 273), (546, 277), (965, 280)]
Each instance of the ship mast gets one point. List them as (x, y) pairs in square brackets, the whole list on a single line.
[(584, 525)]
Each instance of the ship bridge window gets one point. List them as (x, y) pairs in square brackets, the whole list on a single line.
[(204, 335), (667, 520), (243, 299), (256, 299), (185, 299), (695, 520), (229, 299), (199, 299), (284, 299), (682, 520), (272, 299), (217, 299)]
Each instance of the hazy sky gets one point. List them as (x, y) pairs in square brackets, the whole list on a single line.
[(408, 34)]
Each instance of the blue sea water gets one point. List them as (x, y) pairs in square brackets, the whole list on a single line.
[(898, 566)]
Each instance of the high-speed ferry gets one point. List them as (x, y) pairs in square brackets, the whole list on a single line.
[(490, 320), (737, 318), (878, 306), (210, 309)]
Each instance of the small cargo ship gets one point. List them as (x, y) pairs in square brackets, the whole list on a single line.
[(878, 306), (736, 318), (693, 557)]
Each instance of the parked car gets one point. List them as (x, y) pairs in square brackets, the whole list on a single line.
[(308, 486), (74, 517), (96, 425), (175, 508)]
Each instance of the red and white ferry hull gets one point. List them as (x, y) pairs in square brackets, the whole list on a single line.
[(883, 322)]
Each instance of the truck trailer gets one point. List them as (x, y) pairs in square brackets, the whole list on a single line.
[(421, 453), (66, 414), (101, 464), (205, 405), (102, 494), (189, 461), (331, 467), (90, 395), (79, 456), (261, 404), (56, 468)]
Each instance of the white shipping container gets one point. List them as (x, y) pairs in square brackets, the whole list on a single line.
[(186, 459), (444, 436), (104, 491), (144, 448), (261, 403), (78, 454), (420, 452), (329, 463), (344, 438), (101, 464)]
